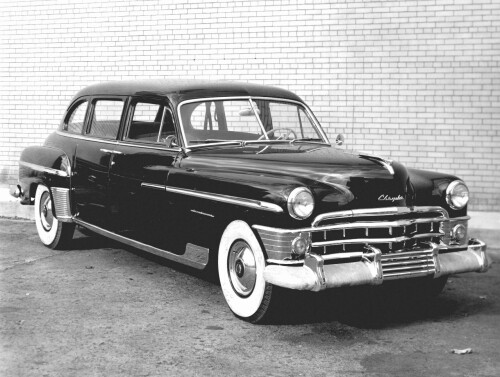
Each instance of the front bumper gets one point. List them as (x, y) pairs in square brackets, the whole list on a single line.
[(372, 267)]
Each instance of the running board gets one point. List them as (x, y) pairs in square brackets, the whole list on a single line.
[(196, 257)]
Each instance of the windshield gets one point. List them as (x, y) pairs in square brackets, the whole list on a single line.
[(255, 120)]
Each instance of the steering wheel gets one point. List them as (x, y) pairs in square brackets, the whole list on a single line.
[(284, 136)]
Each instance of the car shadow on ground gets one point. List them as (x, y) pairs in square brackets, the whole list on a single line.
[(385, 306), (375, 307)]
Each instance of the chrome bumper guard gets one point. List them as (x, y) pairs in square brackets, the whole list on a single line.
[(373, 268)]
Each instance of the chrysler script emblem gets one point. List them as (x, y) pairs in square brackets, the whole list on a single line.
[(390, 198)]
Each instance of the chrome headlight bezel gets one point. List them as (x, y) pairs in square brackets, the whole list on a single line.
[(292, 203), (451, 194)]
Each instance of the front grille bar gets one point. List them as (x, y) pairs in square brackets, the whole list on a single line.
[(375, 212), (375, 240)]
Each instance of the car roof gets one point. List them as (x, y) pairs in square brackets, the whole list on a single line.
[(181, 90)]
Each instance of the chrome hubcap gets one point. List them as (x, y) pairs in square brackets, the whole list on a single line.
[(242, 268), (46, 216)]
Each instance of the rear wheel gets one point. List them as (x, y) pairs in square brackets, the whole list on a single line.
[(241, 264), (53, 233)]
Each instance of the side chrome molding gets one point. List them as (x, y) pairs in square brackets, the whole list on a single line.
[(250, 203), (60, 173)]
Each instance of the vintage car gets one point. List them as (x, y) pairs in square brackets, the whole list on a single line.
[(242, 178)]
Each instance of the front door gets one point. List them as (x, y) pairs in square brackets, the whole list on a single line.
[(139, 206)]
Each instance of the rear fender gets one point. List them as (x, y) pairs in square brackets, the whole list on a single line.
[(51, 167)]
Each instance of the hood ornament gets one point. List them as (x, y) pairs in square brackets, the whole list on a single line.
[(386, 163)]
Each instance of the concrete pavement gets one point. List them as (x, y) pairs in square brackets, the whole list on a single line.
[(101, 309)]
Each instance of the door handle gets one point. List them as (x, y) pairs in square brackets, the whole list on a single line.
[(110, 151)]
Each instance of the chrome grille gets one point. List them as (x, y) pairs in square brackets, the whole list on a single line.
[(408, 264), (395, 229), (276, 244)]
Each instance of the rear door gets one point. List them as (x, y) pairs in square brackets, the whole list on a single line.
[(139, 206), (93, 156)]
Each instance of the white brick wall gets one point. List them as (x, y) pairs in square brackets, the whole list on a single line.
[(415, 80)]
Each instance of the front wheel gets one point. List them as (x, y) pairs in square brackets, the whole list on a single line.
[(53, 233), (241, 264)]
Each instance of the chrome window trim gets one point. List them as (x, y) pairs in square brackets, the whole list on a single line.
[(119, 142), (250, 203), (249, 98), (163, 121), (60, 173), (71, 109)]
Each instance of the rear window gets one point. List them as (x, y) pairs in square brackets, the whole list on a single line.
[(75, 119)]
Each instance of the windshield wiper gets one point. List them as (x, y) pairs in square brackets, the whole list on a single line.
[(266, 141), (314, 140), (210, 141)]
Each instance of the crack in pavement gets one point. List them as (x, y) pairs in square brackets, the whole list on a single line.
[(29, 261)]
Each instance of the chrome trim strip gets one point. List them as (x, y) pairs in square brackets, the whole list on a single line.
[(139, 245), (44, 169), (153, 186), (118, 142), (202, 213), (277, 99), (286, 262), (110, 151), (271, 207), (337, 256)]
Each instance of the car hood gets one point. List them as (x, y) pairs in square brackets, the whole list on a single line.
[(338, 178)]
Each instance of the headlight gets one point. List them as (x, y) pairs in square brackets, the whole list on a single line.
[(300, 203), (457, 195)]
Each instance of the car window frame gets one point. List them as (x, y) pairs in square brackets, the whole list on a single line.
[(70, 110), (303, 105), (90, 115), (162, 101)]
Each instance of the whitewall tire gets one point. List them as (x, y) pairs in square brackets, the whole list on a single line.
[(241, 264), (53, 233)]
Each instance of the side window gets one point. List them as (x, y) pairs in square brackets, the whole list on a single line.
[(106, 118), (75, 120), (146, 122)]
